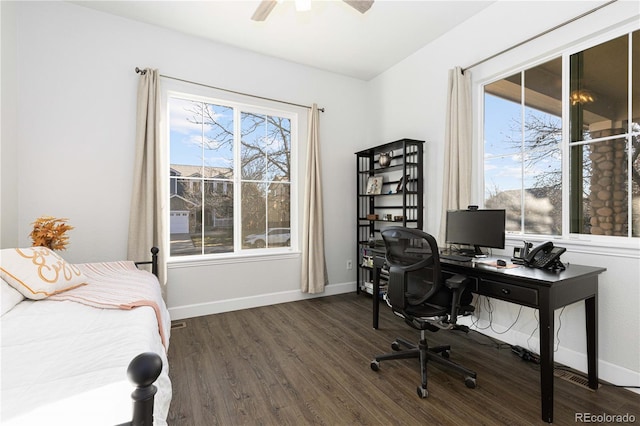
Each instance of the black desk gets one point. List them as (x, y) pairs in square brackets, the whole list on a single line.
[(535, 288)]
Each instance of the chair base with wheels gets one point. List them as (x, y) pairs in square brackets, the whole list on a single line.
[(438, 354)]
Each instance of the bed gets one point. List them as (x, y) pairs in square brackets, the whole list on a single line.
[(65, 351)]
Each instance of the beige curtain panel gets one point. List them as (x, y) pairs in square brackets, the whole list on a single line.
[(314, 269), (456, 189), (147, 224)]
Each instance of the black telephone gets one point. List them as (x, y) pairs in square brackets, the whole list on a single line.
[(545, 256), (520, 253)]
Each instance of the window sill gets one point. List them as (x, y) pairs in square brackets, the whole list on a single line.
[(587, 244), (194, 261)]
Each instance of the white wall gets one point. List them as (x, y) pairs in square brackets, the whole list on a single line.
[(411, 98), (8, 147), (76, 96)]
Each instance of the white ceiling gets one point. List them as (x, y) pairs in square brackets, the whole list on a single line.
[(332, 36)]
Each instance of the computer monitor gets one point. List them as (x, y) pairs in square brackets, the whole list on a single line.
[(476, 228)]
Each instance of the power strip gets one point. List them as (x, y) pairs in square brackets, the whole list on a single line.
[(525, 354)]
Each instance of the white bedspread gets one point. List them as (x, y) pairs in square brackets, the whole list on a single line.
[(55, 369)]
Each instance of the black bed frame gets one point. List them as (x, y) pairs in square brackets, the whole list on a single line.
[(153, 262), (144, 370)]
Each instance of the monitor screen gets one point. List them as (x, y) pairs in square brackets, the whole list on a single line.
[(477, 228)]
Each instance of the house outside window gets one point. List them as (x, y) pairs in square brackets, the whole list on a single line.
[(230, 177), (562, 143)]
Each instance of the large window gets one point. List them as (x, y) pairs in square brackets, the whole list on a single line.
[(571, 170), (230, 177)]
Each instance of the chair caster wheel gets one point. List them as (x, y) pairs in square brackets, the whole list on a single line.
[(375, 365), (445, 354), (422, 392), (395, 346), (470, 382)]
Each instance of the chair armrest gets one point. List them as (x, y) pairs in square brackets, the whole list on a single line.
[(457, 284)]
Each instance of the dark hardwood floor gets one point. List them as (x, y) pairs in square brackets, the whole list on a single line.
[(307, 362)]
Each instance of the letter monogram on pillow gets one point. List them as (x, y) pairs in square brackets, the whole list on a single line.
[(38, 272)]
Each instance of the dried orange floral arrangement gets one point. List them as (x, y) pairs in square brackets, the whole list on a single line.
[(50, 232)]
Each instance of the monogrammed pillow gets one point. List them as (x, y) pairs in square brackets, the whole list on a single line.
[(38, 272)]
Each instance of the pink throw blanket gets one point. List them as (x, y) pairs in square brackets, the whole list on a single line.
[(117, 285)]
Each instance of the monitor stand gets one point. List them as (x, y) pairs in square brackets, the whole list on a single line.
[(475, 251)]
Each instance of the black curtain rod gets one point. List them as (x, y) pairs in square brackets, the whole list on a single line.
[(540, 35), (141, 71)]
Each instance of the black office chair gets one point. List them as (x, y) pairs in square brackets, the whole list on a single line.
[(418, 292)]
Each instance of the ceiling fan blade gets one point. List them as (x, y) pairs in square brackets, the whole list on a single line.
[(263, 10), (360, 5)]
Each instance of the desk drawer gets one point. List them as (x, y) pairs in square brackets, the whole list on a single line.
[(508, 292)]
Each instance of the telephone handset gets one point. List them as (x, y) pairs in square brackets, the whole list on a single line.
[(545, 256)]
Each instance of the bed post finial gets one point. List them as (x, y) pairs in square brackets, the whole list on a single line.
[(154, 260), (143, 370)]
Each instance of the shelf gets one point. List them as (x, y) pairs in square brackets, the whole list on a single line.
[(394, 207), (392, 146), (386, 221), (387, 194), (380, 170), (406, 169)]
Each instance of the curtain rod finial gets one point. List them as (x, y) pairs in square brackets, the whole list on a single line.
[(139, 71)]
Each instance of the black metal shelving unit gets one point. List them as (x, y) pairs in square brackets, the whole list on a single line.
[(394, 205)]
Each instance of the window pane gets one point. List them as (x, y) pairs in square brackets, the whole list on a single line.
[(502, 119), (184, 220), (278, 148), (253, 154), (541, 156), (185, 136), (579, 168), (603, 170), (254, 215), (502, 148), (543, 177), (218, 217), (599, 90), (279, 208), (266, 147), (218, 140)]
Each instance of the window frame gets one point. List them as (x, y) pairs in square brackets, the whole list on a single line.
[(581, 242), (240, 103)]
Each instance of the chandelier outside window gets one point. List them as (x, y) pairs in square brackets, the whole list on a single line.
[(581, 96)]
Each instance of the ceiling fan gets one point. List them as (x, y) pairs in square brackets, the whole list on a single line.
[(266, 6)]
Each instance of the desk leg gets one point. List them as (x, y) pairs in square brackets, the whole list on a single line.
[(591, 315), (546, 358), (376, 295)]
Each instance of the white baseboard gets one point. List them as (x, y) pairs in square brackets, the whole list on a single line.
[(220, 306), (607, 371)]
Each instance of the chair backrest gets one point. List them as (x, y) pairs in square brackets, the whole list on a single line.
[(411, 253)]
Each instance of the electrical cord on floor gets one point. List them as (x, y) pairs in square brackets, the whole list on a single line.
[(492, 342)]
